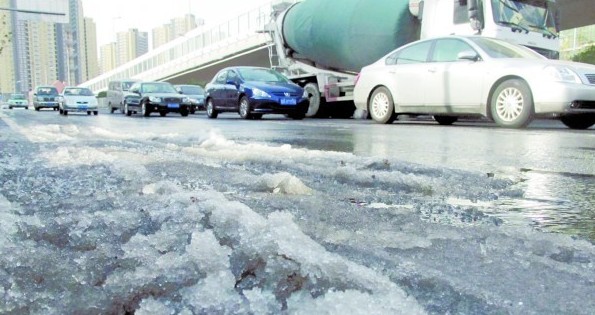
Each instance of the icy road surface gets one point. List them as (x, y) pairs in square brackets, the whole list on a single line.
[(96, 221)]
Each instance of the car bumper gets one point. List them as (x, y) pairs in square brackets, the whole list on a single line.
[(175, 108), (18, 105), (78, 108), (45, 104), (564, 98), (268, 106)]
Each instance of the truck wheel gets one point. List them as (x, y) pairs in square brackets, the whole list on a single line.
[(512, 104), (578, 121), (381, 106), (315, 99), (244, 108), (445, 120), (211, 111)]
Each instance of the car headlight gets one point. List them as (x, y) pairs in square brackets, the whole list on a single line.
[(40, 98), (562, 74), (185, 100), (260, 93), (59, 99), (155, 99)]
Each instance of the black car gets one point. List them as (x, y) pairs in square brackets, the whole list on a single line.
[(254, 91), (160, 97), (45, 97)]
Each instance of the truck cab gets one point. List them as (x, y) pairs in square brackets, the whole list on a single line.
[(531, 23)]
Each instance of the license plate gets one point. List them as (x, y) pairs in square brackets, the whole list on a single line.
[(173, 105), (288, 101), (82, 107)]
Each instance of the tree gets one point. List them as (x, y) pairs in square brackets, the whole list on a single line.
[(586, 56)]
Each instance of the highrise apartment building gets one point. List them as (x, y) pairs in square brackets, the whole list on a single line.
[(176, 28), (108, 57), (131, 44), (43, 47)]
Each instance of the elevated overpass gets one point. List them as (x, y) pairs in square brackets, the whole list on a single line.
[(200, 54)]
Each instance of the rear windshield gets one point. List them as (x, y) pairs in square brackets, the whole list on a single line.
[(47, 91), (78, 91)]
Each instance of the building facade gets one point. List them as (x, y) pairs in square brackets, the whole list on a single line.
[(108, 57), (176, 28), (90, 68), (131, 44)]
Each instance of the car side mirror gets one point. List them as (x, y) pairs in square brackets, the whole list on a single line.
[(468, 55)]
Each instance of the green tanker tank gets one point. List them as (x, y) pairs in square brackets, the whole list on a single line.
[(348, 34)]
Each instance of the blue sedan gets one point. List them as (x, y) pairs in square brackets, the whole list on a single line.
[(254, 91)]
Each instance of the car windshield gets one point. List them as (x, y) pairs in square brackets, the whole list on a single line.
[(525, 14), (501, 49), (126, 85), (262, 75), (47, 91), (192, 90), (157, 88), (78, 91), (17, 96)]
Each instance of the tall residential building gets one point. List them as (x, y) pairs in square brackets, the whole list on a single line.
[(176, 28), (131, 44), (108, 57), (7, 69), (90, 68)]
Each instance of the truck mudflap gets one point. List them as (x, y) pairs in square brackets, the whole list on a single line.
[(339, 91)]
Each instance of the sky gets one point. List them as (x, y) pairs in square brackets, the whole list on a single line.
[(113, 16)]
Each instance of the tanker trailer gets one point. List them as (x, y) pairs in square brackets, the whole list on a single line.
[(322, 44)]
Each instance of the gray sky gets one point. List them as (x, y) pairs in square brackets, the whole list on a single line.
[(119, 15)]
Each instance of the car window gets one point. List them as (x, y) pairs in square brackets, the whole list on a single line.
[(78, 91), (416, 53), (500, 49), (192, 89), (447, 50), (221, 77), (47, 91), (126, 85), (262, 75), (232, 76)]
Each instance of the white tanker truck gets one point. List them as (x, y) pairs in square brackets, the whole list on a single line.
[(322, 44)]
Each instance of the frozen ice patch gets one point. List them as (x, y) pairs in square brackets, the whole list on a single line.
[(283, 183)]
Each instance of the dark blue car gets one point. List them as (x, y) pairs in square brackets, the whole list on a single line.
[(252, 92)]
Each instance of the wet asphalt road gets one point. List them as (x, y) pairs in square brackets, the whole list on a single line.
[(556, 165)]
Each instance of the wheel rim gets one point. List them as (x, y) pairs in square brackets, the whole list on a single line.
[(144, 109), (380, 105), (210, 108), (509, 104), (126, 108), (244, 108)]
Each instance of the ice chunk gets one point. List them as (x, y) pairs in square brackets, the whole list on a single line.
[(283, 183)]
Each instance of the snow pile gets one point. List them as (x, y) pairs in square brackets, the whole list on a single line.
[(283, 183)]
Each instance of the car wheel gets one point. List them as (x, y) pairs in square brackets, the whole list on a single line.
[(446, 120), (122, 109), (211, 111), (578, 121), (60, 111), (256, 116), (162, 114), (512, 104), (89, 113), (9, 107), (144, 110), (245, 108), (95, 113), (127, 110), (381, 106), (27, 108), (111, 109), (65, 113), (192, 110), (184, 112), (37, 108), (296, 116)]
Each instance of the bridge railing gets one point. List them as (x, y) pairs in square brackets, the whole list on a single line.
[(198, 46)]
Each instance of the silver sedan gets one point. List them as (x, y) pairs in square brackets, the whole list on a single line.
[(455, 76)]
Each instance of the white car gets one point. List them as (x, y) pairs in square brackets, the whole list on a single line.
[(18, 100), (455, 76), (77, 99)]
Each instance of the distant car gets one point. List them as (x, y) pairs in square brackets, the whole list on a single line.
[(77, 99), (45, 97), (160, 97), (252, 92), (116, 92), (195, 93), (455, 76), (18, 100)]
